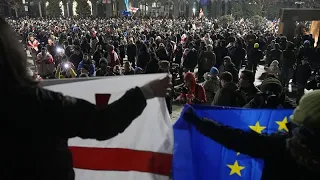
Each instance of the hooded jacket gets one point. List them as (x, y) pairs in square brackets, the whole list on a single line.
[(195, 90), (229, 96)]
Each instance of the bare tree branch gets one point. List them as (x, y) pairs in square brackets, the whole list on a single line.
[(14, 4)]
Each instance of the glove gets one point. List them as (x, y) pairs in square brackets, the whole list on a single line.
[(190, 116)]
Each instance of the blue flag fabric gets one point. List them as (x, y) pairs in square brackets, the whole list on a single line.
[(126, 13), (197, 157), (203, 2)]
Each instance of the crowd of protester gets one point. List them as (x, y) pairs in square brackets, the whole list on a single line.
[(69, 48), (218, 54)]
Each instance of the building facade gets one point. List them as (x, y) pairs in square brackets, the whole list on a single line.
[(149, 8)]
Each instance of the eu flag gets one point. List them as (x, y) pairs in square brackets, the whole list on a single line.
[(197, 157)]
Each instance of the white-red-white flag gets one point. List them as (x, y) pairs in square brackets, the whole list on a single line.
[(133, 9), (142, 152)]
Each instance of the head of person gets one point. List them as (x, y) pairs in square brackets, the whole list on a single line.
[(143, 48), (271, 86), (190, 80), (13, 64), (50, 41), (86, 57), (77, 50), (117, 69), (246, 78), (306, 44), (110, 48), (161, 46), (275, 63), (138, 70), (164, 66), (303, 144), (276, 46), (227, 61), (191, 45), (304, 61), (307, 113), (44, 51), (209, 47), (214, 72), (273, 42), (103, 63), (127, 66), (31, 37), (99, 47), (225, 78)]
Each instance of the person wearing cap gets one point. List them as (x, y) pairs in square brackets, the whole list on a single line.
[(138, 70), (254, 57), (271, 96), (292, 155), (212, 84)]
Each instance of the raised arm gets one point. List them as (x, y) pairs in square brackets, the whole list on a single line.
[(250, 143), (77, 117)]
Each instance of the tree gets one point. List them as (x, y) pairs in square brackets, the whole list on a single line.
[(225, 21), (13, 4), (54, 9), (251, 8), (236, 10), (83, 9), (257, 22)]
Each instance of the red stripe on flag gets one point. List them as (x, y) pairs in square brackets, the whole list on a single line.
[(116, 159), (102, 99)]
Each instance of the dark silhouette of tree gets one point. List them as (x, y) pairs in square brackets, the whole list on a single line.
[(13, 4), (83, 9), (54, 9)]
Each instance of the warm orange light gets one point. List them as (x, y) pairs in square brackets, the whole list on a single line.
[(314, 30)]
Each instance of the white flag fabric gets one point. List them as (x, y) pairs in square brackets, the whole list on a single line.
[(142, 152), (133, 9)]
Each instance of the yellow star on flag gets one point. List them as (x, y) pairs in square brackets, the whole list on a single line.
[(257, 128), (283, 124), (235, 168)]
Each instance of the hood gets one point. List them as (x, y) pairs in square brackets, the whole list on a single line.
[(192, 80), (304, 147)]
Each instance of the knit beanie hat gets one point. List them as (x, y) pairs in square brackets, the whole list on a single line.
[(271, 84), (213, 71), (308, 111)]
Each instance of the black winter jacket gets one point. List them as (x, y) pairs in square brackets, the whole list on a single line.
[(37, 123), (279, 164)]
